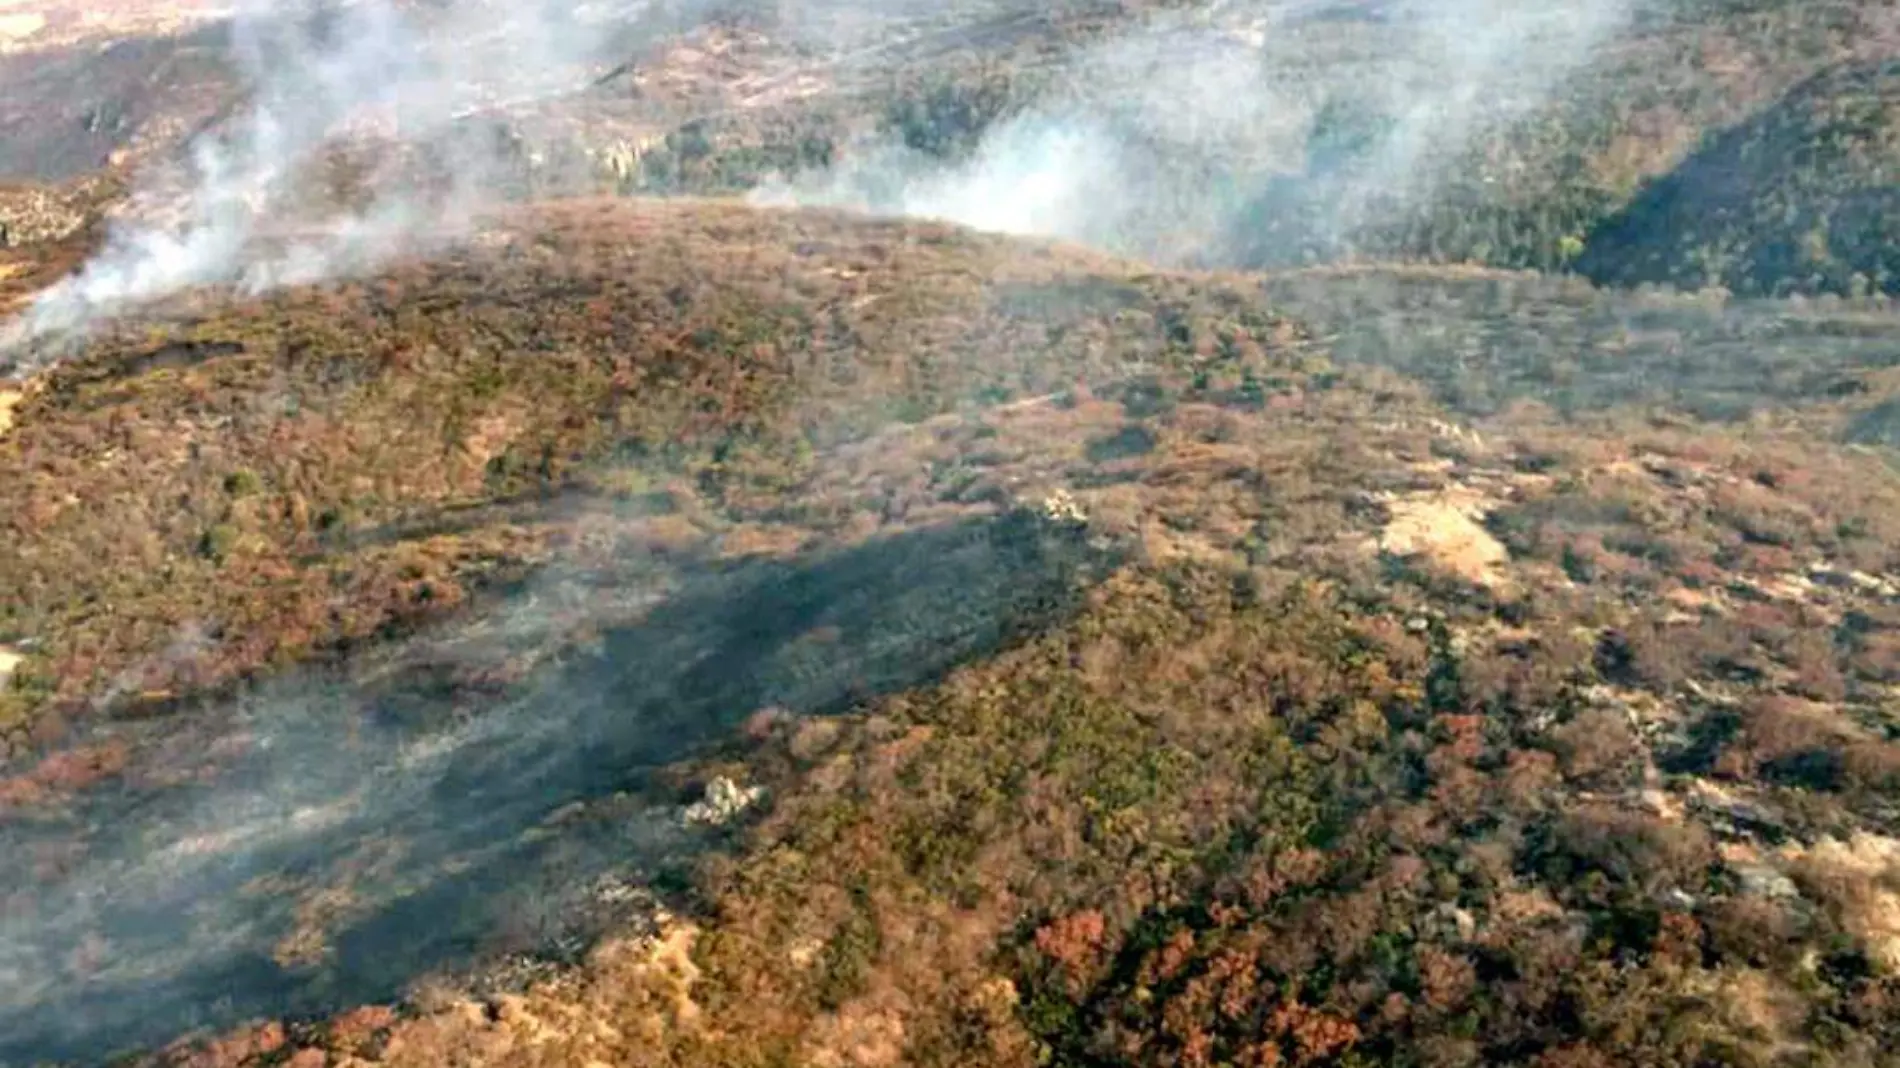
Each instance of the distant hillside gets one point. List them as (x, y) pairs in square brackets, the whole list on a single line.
[(1803, 197), (1612, 175), (1485, 340), (1563, 187), (70, 111), (1547, 190)]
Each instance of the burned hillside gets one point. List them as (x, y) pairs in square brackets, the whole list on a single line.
[(714, 598)]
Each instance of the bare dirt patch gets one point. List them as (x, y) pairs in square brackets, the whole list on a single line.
[(1443, 530)]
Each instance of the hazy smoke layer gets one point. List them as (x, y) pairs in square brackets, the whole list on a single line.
[(1159, 142), (404, 75), (328, 838)]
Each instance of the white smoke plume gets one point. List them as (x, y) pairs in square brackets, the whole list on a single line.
[(319, 72), (1153, 143)]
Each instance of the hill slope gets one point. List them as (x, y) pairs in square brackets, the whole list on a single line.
[(679, 633), (1804, 197), (714, 345), (1122, 679)]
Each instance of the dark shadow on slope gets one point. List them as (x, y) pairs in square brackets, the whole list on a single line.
[(407, 821), (1879, 425), (1800, 199)]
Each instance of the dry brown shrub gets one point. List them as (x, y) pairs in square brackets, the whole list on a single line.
[(1636, 848), (1076, 943), (64, 773), (1576, 1055), (1596, 746), (1872, 764), (1315, 1034), (1752, 930), (1446, 979), (1528, 781)]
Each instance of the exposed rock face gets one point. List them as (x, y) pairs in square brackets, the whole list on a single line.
[(724, 802)]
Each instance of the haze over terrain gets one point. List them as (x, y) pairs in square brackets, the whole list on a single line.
[(841, 533)]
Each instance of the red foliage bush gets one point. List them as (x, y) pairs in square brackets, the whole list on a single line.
[(1076, 943)]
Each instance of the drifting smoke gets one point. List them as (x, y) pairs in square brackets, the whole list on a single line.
[(1160, 143), (329, 838), (407, 75)]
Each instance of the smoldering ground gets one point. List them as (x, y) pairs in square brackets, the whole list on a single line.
[(328, 838), (414, 81), (308, 70), (244, 207)]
